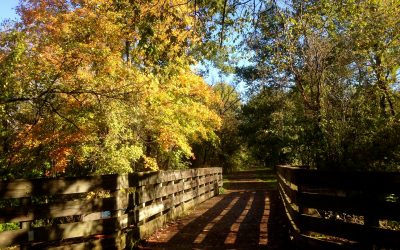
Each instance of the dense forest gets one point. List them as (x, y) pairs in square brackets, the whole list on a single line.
[(112, 86)]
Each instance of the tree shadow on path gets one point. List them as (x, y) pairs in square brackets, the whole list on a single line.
[(249, 216)]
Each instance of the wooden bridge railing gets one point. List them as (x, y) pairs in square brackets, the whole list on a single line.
[(102, 212), (341, 210)]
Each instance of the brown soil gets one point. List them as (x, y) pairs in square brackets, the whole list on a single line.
[(247, 216)]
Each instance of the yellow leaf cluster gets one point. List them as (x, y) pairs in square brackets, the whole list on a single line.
[(102, 86)]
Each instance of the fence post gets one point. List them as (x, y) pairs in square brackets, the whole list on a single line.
[(216, 184), (370, 219), (27, 202)]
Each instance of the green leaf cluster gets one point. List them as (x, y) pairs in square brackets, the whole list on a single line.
[(334, 66)]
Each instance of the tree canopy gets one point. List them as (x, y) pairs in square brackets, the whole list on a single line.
[(101, 86), (336, 64), (111, 86)]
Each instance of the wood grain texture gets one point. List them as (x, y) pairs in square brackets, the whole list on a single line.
[(99, 206), (365, 195)]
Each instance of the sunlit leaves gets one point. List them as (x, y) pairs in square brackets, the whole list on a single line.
[(336, 63), (101, 86)]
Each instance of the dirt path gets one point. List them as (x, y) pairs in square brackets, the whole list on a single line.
[(247, 216)]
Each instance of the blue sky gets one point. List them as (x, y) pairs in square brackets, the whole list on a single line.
[(7, 9)]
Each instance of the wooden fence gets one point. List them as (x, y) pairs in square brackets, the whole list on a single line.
[(341, 210), (98, 212)]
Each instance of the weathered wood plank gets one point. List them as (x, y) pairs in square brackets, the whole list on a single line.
[(121, 205), (189, 184), (382, 181), (153, 193), (151, 178), (63, 231), (10, 238), (189, 195), (288, 189), (292, 213), (150, 226), (158, 192), (290, 174), (112, 243), (359, 205), (155, 208), (305, 242), (52, 186), (62, 209), (205, 189), (351, 231), (344, 192), (189, 173), (206, 180)]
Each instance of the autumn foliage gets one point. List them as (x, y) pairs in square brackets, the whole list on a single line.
[(101, 86)]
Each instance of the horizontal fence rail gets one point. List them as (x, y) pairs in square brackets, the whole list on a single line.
[(102, 212), (349, 210)]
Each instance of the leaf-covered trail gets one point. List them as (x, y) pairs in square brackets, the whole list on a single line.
[(247, 216)]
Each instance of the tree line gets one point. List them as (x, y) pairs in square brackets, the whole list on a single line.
[(325, 84), (110, 86)]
